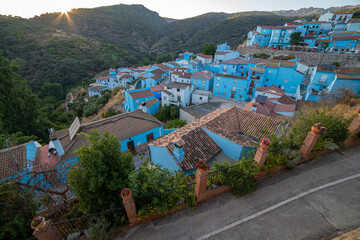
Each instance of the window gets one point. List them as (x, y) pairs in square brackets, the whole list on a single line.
[(275, 38), (286, 80), (165, 98), (224, 93), (269, 71), (267, 80), (219, 92), (235, 81), (146, 99), (149, 137), (195, 81), (290, 31), (178, 90), (323, 78), (137, 101), (217, 84), (277, 31), (218, 78), (203, 82), (200, 98), (240, 96), (239, 88)]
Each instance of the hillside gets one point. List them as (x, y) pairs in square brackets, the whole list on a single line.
[(315, 11), (66, 48)]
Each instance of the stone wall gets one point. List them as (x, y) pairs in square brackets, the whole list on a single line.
[(310, 58)]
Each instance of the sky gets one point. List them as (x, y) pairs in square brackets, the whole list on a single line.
[(178, 9)]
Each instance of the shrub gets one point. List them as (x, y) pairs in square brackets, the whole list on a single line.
[(152, 179), (115, 90), (333, 121), (274, 159), (240, 176), (177, 123)]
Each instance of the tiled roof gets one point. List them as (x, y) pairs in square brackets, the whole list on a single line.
[(344, 76), (344, 33), (198, 146), (341, 70), (258, 60), (201, 92), (316, 22), (183, 74), (103, 78), (156, 77), (180, 68), (204, 56), (353, 20), (163, 67), (286, 100), (322, 41), (178, 85), (151, 102), (286, 27), (157, 71), (140, 94), (271, 89), (122, 126), (235, 124), (268, 65), (287, 64), (203, 75), (257, 69), (236, 61), (222, 52), (125, 76), (8, 166), (267, 27), (157, 88), (97, 88), (346, 38), (230, 76)]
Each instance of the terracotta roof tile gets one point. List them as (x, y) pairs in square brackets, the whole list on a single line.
[(203, 75), (157, 88), (231, 76), (236, 61), (204, 56), (258, 60), (344, 76), (178, 85), (197, 146), (140, 94), (286, 100), (151, 102), (103, 78), (271, 89), (287, 64), (346, 38), (97, 88), (8, 166)]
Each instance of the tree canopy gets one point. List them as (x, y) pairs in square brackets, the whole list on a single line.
[(209, 49), (101, 173), (295, 38)]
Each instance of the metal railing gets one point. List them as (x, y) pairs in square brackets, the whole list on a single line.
[(80, 224)]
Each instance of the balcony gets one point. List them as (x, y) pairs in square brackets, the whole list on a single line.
[(255, 77), (176, 103)]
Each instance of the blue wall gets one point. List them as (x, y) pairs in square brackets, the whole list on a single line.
[(134, 103), (141, 138), (226, 84), (159, 155), (231, 149), (206, 86)]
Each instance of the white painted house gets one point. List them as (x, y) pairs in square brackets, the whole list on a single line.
[(177, 93), (200, 96)]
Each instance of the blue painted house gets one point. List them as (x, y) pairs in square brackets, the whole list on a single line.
[(156, 90), (134, 130), (134, 98), (231, 86), (203, 80), (343, 43), (328, 80), (280, 36), (236, 66), (225, 134)]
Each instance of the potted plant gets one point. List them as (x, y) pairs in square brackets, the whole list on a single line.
[(317, 128), (126, 193), (38, 223), (265, 143), (202, 167)]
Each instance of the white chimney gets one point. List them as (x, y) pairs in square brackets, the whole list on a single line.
[(254, 107)]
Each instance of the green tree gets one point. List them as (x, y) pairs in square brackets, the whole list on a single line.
[(19, 107), (209, 49), (101, 173), (17, 209), (295, 38), (52, 90)]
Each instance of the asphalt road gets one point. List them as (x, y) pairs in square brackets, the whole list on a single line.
[(316, 200)]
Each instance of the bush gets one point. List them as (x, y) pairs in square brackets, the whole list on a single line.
[(150, 179), (168, 113), (333, 121), (116, 90), (177, 123), (240, 176), (109, 113)]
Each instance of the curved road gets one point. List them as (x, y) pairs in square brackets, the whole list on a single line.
[(316, 200)]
